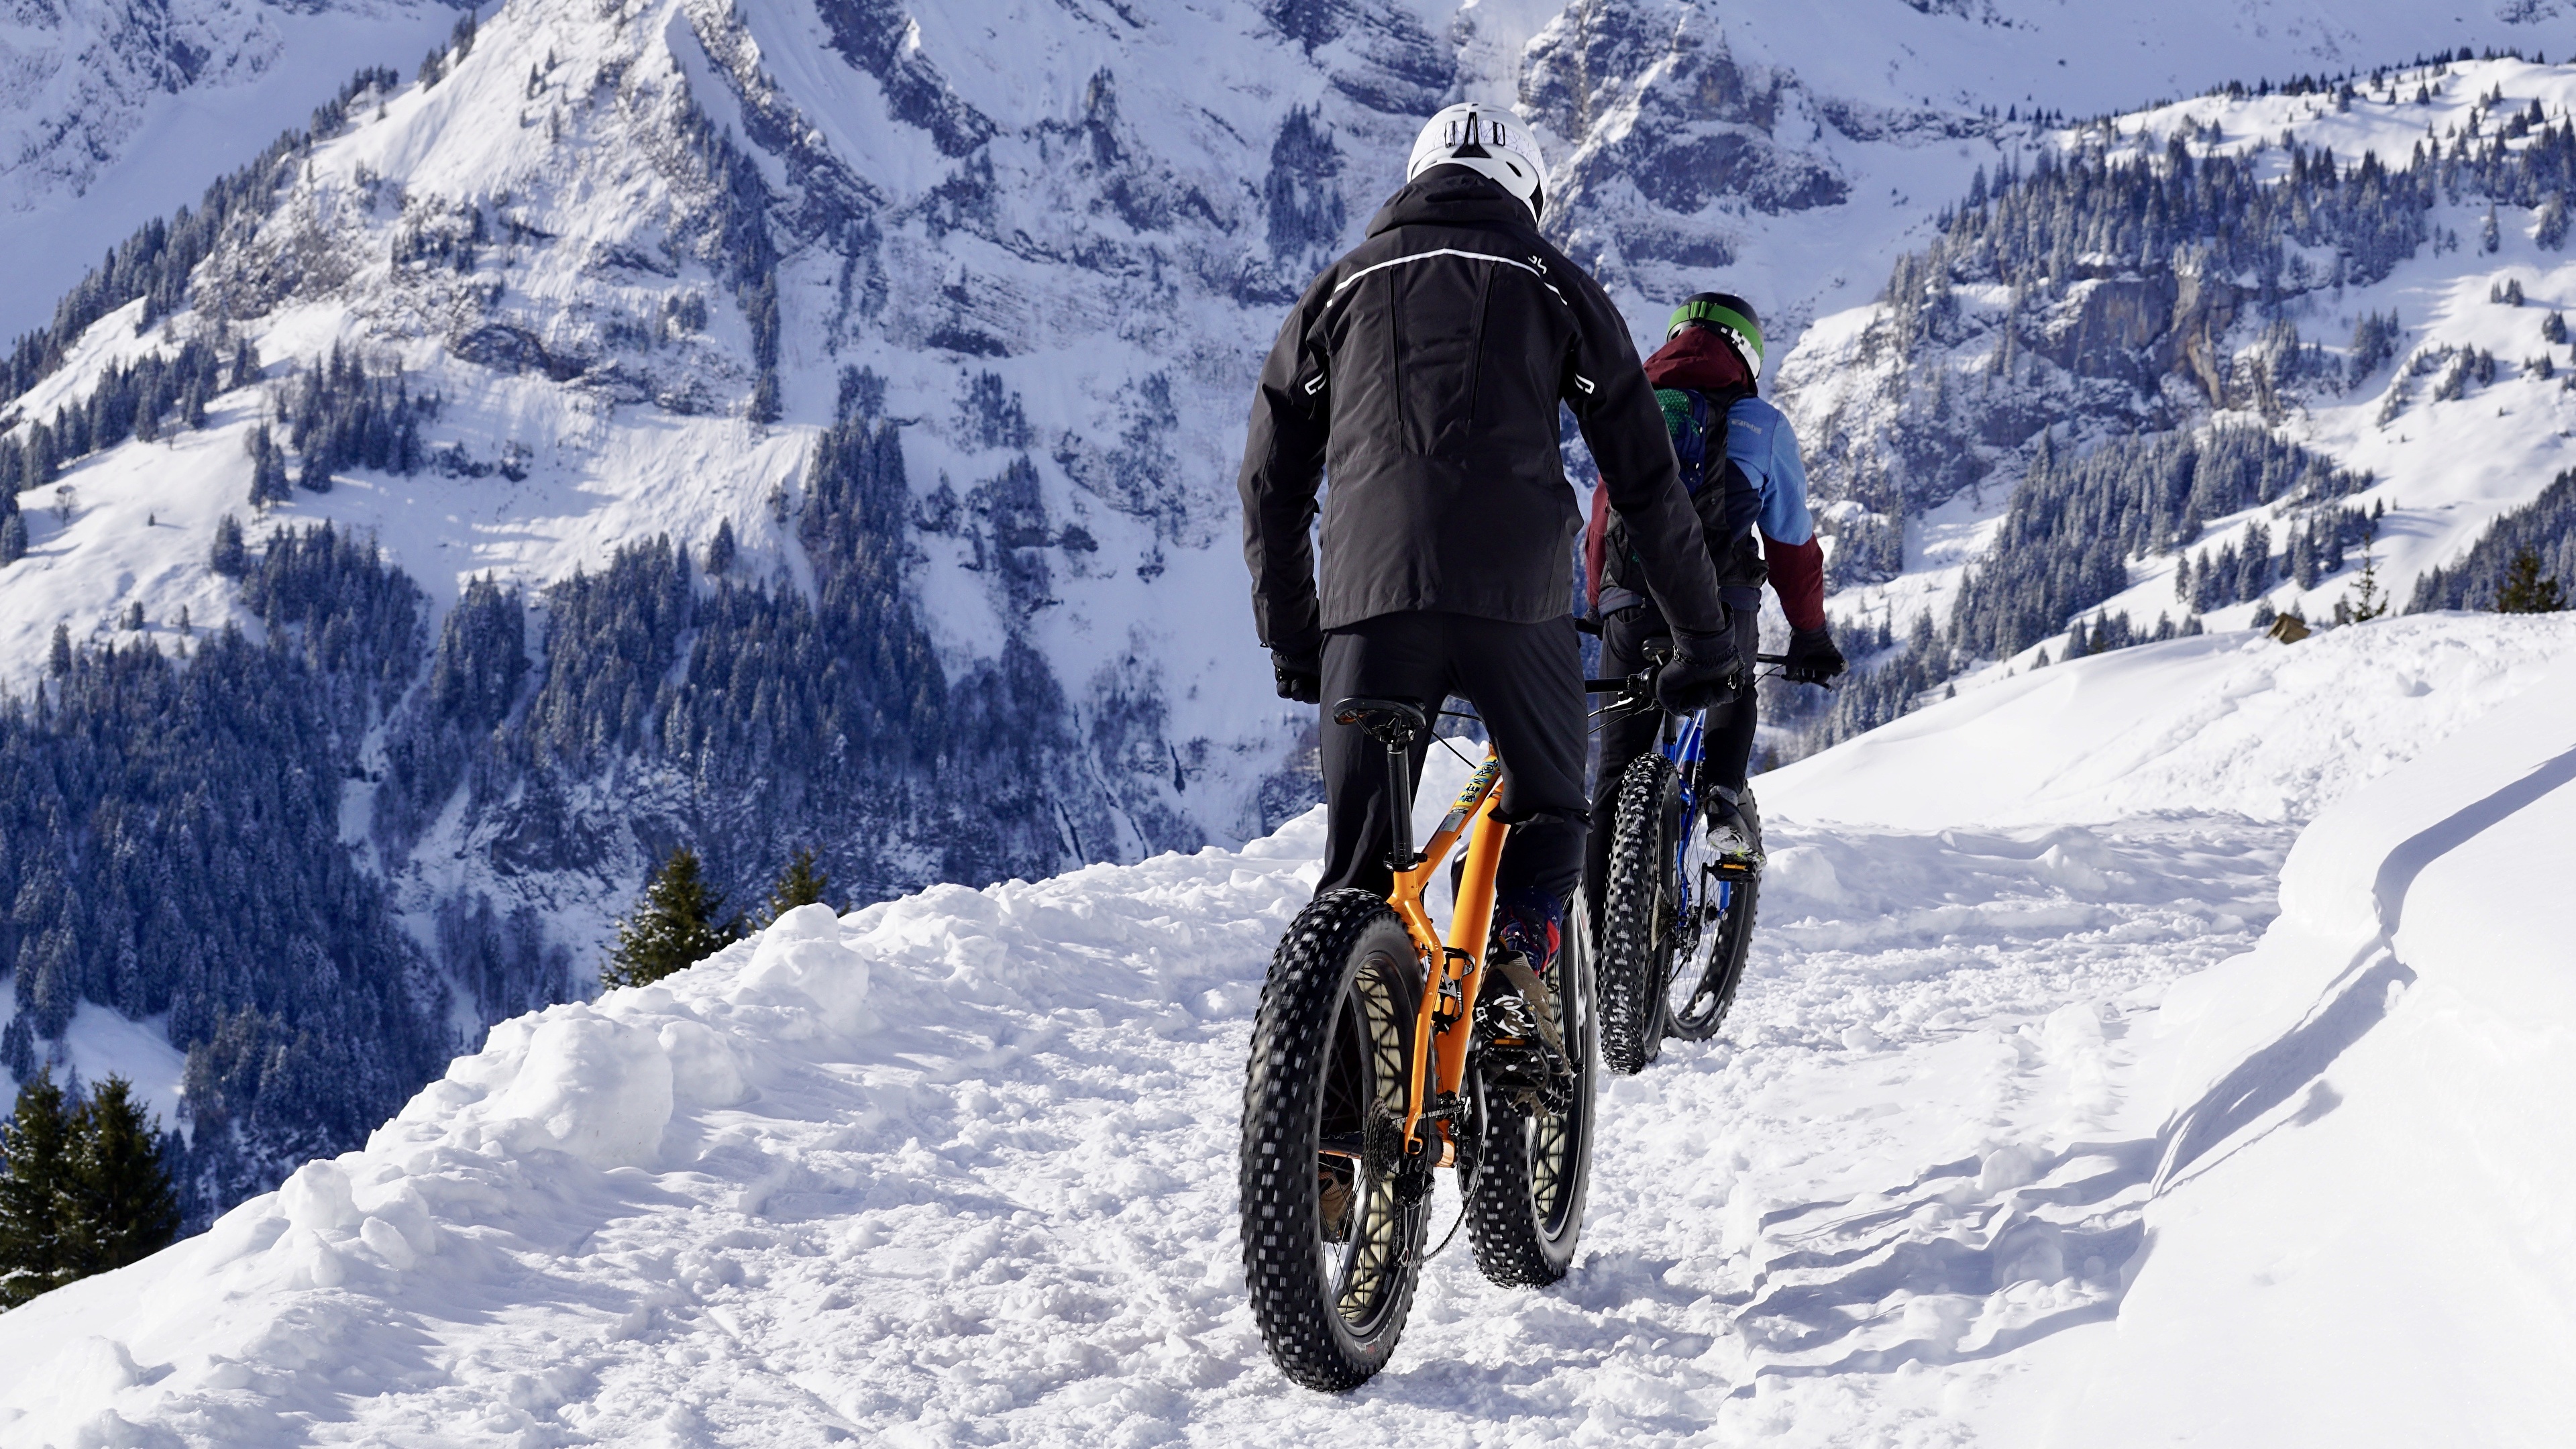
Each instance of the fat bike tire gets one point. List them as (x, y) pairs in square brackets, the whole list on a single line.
[(1331, 1248), (1534, 1168), (1712, 958), (1639, 905)]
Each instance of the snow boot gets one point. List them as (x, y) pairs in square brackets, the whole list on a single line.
[(1730, 836)]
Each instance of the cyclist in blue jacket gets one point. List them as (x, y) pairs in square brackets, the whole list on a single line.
[(1739, 460)]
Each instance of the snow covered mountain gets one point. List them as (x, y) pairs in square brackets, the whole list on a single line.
[(2040, 1121), (787, 424), (111, 114), (2209, 360)]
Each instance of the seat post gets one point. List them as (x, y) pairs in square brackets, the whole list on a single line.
[(1399, 803), (1396, 724)]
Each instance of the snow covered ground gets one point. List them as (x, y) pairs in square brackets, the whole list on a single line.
[(2021, 1128), (99, 1044)]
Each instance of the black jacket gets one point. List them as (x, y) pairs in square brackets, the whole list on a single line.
[(1422, 373)]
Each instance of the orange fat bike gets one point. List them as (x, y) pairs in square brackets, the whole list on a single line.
[(1385, 1052)]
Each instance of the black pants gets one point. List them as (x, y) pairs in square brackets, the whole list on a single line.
[(1725, 754), (1526, 681)]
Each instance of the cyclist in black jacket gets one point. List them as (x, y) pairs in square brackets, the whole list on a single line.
[(1422, 373)]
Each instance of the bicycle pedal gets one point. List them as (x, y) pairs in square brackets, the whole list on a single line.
[(1518, 1061), (1530, 1004)]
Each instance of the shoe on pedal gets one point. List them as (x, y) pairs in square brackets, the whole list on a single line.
[(1730, 836), (1525, 1055)]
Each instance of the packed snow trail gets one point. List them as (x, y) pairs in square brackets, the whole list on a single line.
[(960, 1168)]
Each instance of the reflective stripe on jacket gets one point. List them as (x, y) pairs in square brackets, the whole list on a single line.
[(1422, 374)]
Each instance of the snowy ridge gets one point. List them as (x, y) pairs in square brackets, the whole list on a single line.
[(2218, 724), (960, 1165), (2384, 1075)]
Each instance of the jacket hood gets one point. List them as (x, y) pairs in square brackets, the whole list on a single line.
[(1452, 196), (1698, 358)]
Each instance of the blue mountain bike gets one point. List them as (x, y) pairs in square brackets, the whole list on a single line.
[(1677, 909)]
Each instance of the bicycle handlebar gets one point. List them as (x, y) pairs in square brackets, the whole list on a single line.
[(1644, 679)]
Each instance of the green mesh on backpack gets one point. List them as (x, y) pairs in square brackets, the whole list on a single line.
[(1684, 423), (1677, 409)]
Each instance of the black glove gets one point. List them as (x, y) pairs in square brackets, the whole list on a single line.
[(1705, 671), (1812, 658), (1301, 678)]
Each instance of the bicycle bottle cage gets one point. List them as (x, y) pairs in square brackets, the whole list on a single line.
[(1391, 722)]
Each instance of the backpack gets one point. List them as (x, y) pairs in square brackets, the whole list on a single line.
[(1726, 501)]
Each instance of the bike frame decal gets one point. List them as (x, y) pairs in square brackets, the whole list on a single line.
[(1468, 798)]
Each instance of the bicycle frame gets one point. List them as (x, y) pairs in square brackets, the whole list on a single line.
[(1685, 748), (1455, 967)]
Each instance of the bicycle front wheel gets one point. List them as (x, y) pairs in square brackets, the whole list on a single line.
[(1640, 908), (1331, 1246), (1725, 893)]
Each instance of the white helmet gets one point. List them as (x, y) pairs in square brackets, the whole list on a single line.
[(1486, 139)]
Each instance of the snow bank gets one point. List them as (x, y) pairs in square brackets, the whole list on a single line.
[(499, 1189), (2361, 1232), (2219, 724)]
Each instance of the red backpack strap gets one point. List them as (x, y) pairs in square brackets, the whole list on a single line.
[(1596, 541)]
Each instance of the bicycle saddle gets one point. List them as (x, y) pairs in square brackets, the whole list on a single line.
[(1390, 722)]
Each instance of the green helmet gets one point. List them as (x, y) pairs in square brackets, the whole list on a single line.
[(1731, 315)]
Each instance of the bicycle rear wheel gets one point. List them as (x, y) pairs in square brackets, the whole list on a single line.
[(1640, 906), (1725, 895), (1534, 1167), (1332, 1240)]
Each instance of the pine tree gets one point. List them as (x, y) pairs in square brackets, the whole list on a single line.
[(35, 1192), (123, 1208), (13, 539), (801, 884), (58, 659), (2365, 600), (229, 557), (2525, 591), (676, 924), (720, 550)]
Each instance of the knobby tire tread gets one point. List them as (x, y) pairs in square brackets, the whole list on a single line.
[(1292, 1300), (1634, 952), (1507, 1224)]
